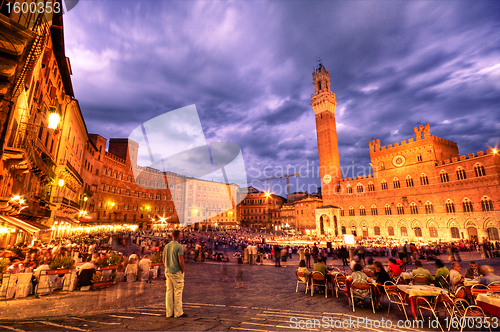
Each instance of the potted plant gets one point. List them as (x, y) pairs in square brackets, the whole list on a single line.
[(61, 265)]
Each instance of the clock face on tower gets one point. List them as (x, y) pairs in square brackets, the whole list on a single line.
[(398, 161), (327, 179)]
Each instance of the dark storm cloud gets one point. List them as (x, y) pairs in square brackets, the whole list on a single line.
[(247, 66)]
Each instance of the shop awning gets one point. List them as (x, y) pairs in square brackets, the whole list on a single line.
[(68, 220), (30, 227)]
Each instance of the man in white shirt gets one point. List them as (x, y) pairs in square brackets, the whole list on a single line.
[(456, 278), (144, 266)]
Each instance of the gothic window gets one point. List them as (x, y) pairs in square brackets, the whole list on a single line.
[(479, 170), (362, 211), (359, 188), (450, 207), (455, 233), (409, 181), (493, 234), (444, 176), (353, 231), (371, 187), (418, 232), (429, 208), (487, 204), (388, 211), (433, 232), (413, 208), (404, 231), (351, 211), (461, 174), (401, 209), (376, 230), (349, 189), (419, 157), (384, 185), (390, 230), (424, 180), (343, 230), (374, 210), (396, 183), (341, 212), (382, 166), (467, 205)]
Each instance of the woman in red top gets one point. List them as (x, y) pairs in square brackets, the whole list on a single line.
[(394, 267)]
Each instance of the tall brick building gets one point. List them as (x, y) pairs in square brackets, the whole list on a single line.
[(421, 188)]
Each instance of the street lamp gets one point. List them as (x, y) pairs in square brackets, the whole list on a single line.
[(61, 182), (53, 120)]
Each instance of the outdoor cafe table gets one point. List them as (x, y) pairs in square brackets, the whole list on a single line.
[(490, 303), (413, 291)]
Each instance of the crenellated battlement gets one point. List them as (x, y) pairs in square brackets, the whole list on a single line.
[(470, 156)]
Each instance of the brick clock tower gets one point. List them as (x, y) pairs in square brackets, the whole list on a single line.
[(323, 103)]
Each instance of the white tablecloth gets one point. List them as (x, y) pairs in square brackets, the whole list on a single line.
[(470, 282), (489, 298)]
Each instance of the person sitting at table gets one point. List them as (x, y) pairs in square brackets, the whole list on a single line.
[(394, 267), (355, 261), (488, 276), (441, 271), (303, 268), (320, 266), (472, 271), (359, 276), (456, 278), (420, 270), (381, 277)]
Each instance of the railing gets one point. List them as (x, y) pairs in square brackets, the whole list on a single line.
[(67, 202), (71, 169)]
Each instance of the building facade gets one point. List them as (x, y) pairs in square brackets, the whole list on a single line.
[(256, 210), (420, 189)]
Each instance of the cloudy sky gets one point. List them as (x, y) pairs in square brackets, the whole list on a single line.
[(247, 66)]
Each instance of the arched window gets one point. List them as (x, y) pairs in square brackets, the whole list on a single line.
[(413, 208), (382, 166), (388, 211), (390, 231), (418, 232), (351, 211), (359, 188), (419, 157), (341, 212), (376, 230), (353, 231), (338, 187), (461, 174), (371, 186), (409, 181), (404, 231), (455, 233), (384, 185), (429, 208), (364, 229), (467, 204), (362, 211), (396, 184), (433, 232), (349, 189), (343, 230), (374, 210), (487, 204), (401, 209), (424, 180), (493, 234), (444, 176), (450, 207), (479, 170)]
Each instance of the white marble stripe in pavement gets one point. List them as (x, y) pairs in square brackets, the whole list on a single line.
[(63, 326), (11, 328), (123, 317), (94, 321)]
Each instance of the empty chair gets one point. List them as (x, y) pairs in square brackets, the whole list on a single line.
[(420, 279), (423, 304), (301, 279), (340, 285), (494, 287), (393, 295), (361, 290), (24, 285), (318, 279), (477, 289)]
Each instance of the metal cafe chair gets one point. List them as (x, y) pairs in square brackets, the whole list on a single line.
[(362, 285), (463, 311), (478, 289), (300, 280), (443, 282), (340, 283), (393, 295), (423, 303), (494, 287), (318, 279), (420, 279), (460, 293)]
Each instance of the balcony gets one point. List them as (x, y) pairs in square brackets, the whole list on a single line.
[(70, 175), (66, 203)]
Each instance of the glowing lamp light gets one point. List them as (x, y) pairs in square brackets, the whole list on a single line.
[(21, 201), (12, 230), (268, 194), (85, 198), (53, 120), (112, 204), (16, 197), (60, 183), (495, 151)]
